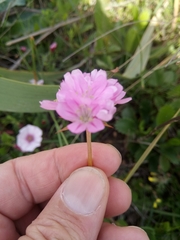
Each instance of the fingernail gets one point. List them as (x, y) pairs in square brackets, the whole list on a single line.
[(83, 190)]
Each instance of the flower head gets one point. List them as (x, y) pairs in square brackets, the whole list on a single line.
[(53, 46), (23, 48), (87, 100), (29, 138)]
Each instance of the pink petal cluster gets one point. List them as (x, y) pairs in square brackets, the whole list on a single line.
[(29, 138), (53, 46), (23, 48), (87, 100)]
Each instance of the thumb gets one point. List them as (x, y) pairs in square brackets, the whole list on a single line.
[(76, 210)]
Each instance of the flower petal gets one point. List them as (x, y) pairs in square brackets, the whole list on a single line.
[(48, 105), (125, 100), (66, 112), (95, 125), (104, 115), (77, 127)]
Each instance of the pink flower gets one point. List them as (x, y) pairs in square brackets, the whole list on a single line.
[(23, 48), (87, 100), (29, 138), (53, 46)]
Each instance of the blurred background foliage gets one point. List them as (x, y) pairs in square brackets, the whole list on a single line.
[(135, 41)]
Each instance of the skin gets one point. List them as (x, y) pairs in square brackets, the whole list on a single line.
[(30, 207)]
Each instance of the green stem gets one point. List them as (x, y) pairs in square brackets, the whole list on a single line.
[(57, 128), (148, 150), (64, 138)]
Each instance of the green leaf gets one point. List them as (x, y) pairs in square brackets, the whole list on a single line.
[(131, 40), (141, 56), (6, 4), (165, 113), (171, 152), (164, 227), (156, 79), (150, 232), (164, 163), (173, 142), (153, 162), (126, 126), (7, 139), (158, 51), (102, 22), (174, 92), (25, 76), (176, 103), (128, 112), (22, 97), (169, 77), (159, 101)]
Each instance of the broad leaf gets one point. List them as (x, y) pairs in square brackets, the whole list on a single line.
[(126, 126), (165, 113), (141, 56), (6, 4), (25, 76), (23, 97)]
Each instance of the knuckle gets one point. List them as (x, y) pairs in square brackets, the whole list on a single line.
[(56, 228)]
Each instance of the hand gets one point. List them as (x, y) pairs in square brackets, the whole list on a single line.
[(53, 195)]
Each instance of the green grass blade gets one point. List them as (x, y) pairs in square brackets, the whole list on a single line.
[(148, 150)]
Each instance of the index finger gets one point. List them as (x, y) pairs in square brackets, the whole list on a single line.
[(33, 179)]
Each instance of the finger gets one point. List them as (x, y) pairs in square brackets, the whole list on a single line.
[(118, 202), (109, 231), (22, 223), (34, 179), (76, 210), (7, 229), (119, 197)]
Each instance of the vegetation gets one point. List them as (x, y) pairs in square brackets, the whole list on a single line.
[(136, 42)]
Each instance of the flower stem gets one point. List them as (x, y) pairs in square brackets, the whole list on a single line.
[(88, 139)]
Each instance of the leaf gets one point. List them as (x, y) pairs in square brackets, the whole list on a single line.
[(141, 56), (173, 142), (165, 113), (150, 232), (169, 77), (158, 101), (131, 40), (126, 126), (102, 22), (25, 76), (4, 5), (164, 163), (23, 97), (128, 112), (174, 92), (156, 79), (171, 153)]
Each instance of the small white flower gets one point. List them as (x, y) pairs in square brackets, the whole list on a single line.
[(29, 138), (34, 82)]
